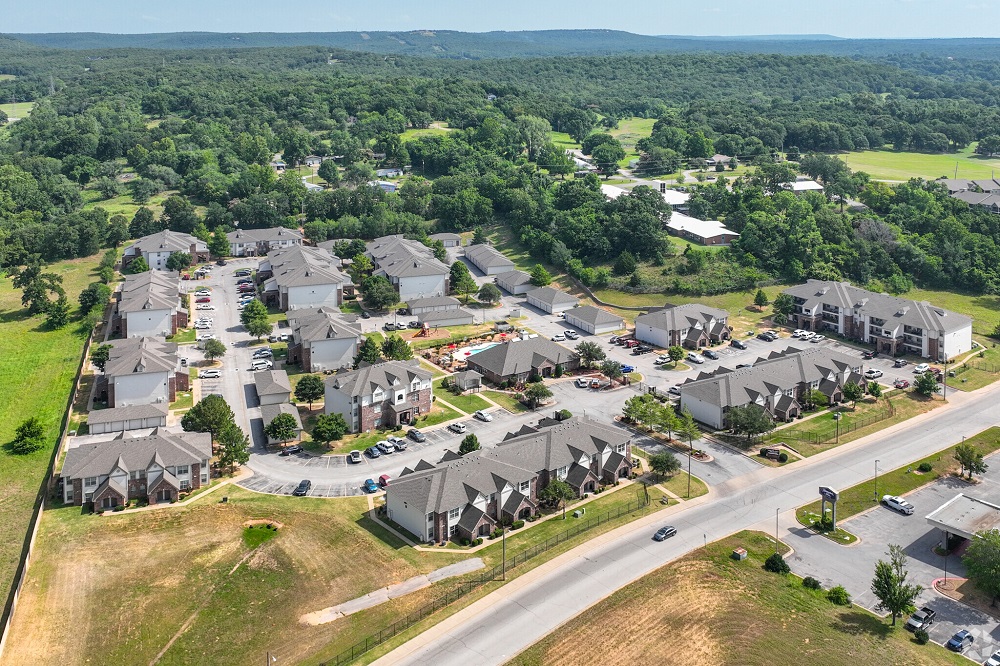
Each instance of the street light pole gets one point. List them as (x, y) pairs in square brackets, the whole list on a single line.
[(776, 509), (503, 540), (876, 481)]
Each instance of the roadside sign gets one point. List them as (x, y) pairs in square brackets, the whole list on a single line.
[(828, 494)]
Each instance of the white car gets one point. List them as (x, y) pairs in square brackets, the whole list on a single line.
[(921, 368), (897, 504), (695, 358), (483, 416), (806, 335), (558, 337), (203, 292), (205, 336), (209, 374), (872, 373), (662, 358), (204, 306), (994, 659), (797, 333), (582, 382), (202, 326), (817, 338)]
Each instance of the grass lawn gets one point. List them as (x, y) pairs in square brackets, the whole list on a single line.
[(437, 415), (184, 336), (17, 109), (184, 401), (708, 608), (976, 378), (37, 370), (454, 334), (983, 309), (857, 498), (678, 484), (351, 307), (629, 131), (563, 140), (124, 204), (908, 404), (506, 401), (411, 134), (431, 368), (896, 165), (467, 403)]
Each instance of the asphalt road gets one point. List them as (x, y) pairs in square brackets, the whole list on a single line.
[(531, 607)]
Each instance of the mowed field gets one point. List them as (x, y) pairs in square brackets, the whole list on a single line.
[(18, 109), (37, 369), (708, 609), (895, 165)]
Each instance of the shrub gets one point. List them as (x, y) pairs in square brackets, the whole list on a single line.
[(839, 596), (465, 542), (921, 636), (518, 524), (776, 564), (925, 467), (782, 457), (564, 414), (496, 533), (811, 583)]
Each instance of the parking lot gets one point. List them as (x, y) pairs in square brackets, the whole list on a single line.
[(854, 566)]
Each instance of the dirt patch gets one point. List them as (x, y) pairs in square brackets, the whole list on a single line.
[(264, 521)]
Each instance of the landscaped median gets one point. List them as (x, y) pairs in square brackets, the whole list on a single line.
[(899, 481)]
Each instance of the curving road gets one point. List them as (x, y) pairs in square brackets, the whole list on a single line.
[(507, 621)]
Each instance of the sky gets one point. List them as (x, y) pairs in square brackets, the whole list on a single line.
[(844, 18)]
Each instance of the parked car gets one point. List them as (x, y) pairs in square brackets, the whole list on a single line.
[(460, 428), (921, 368), (898, 504), (205, 336), (631, 344), (370, 486), (203, 299), (708, 353), (385, 447), (245, 280), (921, 619), (373, 452), (994, 659), (739, 344), (209, 374), (900, 363), (261, 364), (662, 358), (582, 382), (960, 641), (302, 489), (416, 435), (901, 384), (767, 337), (202, 325), (398, 442), (665, 533), (872, 373), (203, 292), (365, 315), (243, 272), (595, 383), (263, 353), (558, 337), (675, 389), (354, 456), (869, 354), (289, 450), (695, 358), (204, 306), (413, 324), (628, 368), (222, 262), (572, 335), (383, 481), (817, 338), (483, 416), (797, 333)]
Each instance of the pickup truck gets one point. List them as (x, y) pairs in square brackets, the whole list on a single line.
[(922, 619)]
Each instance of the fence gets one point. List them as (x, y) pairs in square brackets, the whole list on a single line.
[(467, 586), (976, 364), (843, 429)]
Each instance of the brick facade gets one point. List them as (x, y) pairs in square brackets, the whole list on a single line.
[(387, 416)]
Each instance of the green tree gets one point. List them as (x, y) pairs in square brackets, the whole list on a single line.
[(540, 277), (100, 356), (556, 493), (784, 304), (329, 428), (982, 562), (234, 446), (97, 294), (369, 353), (361, 265), (874, 389), (607, 156), (395, 348), (255, 319), (466, 285), (329, 172), (749, 420), (489, 293), (641, 409), (890, 587), (590, 353), (761, 300), (676, 353), (37, 287), (378, 293), (775, 563), (665, 419), (853, 392), (469, 444), (138, 265), (479, 236), (57, 314), (625, 264), (218, 244), (926, 384), (971, 459), (536, 392), (282, 428), (665, 464), (612, 370), (29, 437), (310, 389), (214, 349), (178, 261), (211, 414)]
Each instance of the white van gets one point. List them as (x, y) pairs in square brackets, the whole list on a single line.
[(261, 364)]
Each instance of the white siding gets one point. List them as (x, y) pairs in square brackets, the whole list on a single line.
[(313, 296), (426, 286), (142, 389), (273, 399), (157, 260), (702, 411), (339, 403), (148, 323), (415, 522), (958, 342), (654, 336), (332, 354)]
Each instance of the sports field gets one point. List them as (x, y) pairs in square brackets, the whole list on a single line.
[(894, 165)]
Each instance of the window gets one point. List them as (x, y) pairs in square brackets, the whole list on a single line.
[(142, 474), (620, 448), (561, 473), (133, 476), (453, 515), (430, 517), (525, 487), (400, 397), (183, 469), (451, 530), (492, 497), (185, 484), (90, 481), (377, 409)]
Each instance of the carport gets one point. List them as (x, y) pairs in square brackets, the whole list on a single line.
[(964, 516)]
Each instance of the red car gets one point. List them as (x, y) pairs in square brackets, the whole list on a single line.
[(203, 299), (901, 384)]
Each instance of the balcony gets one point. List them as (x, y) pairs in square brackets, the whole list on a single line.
[(913, 330)]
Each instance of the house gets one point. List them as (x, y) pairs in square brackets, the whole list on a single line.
[(514, 282), (273, 387), (393, 172), (418, 306), (409, 266), (799, 187), (518, 360), (254, 242), (612, 191), (157, 248), (691, 325), (384, 185), (323, 341), (488, 259), (991, 202), (988, 185), (142, 371), (551, 300), (456, 317), (780, 384), (134, 417), (393, 393), (672, 197), (154, 468), (718, 158), (302, 277), (955, 185), (594, 320), (149, 304), (893, 325), (278, 166), (705, 232), (468, 380), (447, 239), (465, 497), (269, 412), (313, 160)]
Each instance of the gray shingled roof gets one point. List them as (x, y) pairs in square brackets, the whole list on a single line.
[(399, 257), (325, 327), (516, 357), (272, 235), (364, 380), (140, 355), (136, 453), (303, 266), (269, 412), (149, 290), (163, 241), (680, 317), (446, 315), (272, 382), (126, 413), (594, 315), (551, 296), (486, 256), (433, 301), (513, 278), (445, 236)]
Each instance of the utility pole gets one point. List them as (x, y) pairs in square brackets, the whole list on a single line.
[(776, 509), (503, 540), (876, 481)]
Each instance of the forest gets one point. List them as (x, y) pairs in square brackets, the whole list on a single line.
[(195, 130)]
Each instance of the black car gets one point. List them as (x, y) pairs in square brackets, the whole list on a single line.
[(766, 337), (365, 315), (708, 353), (739, 344), (869, 354), (222, 262), (243, 272), (416, 435), (289, 450), (302, 489), (665, 533), (402, 311)]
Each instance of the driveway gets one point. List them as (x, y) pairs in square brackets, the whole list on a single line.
[(854, 566)]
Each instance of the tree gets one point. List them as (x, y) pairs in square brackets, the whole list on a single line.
[(214, 349), (234, 446), (607, 156), (310, 389), (688, 427), (665, 419), (395, 349), (926, 384), (29, 436), (255, 320), (556, 493), (590, 353), (625, 264), (853, 392), (971, 459), (329, 428), (96, 294), (676, 353), (282, 428), (57, 314), (138, 265), (775, 563), (218, 244), (466, 285), (378, 293), (100, 356), (874, 389), (361, 265), (890, 587), (178, 261), (540, 277), (749, 420), (784, 304), (328, 171), (369, 353), (469, 444), (37, 287), (489, 293), (761, 300), (665, 464), (536, 392), (982, 562), (641, 409), (611, 369), (479, 236), (211, 414)]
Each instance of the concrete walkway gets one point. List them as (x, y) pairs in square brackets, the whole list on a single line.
[(384, 594)]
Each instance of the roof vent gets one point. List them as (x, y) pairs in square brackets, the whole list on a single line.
[(823, 290), (902, 311)]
